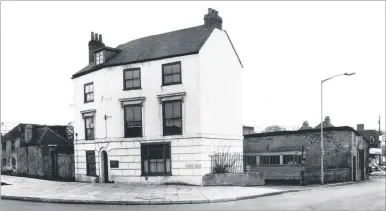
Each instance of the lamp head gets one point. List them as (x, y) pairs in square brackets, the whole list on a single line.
[(349, 74)]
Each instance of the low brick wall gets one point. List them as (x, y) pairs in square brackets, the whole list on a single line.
[(330, 175), (233, 179)]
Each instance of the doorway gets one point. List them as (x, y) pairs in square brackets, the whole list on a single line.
[(362, 163), (54, 164), (105, 167), (354, 168)]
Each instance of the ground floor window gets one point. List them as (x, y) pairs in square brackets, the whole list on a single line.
[(292, 159), (90, 162), (270, 160), (155, 158), (4, 161)]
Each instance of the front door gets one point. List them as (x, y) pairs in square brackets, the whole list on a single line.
[(105, 167), (354, 168), (54, 164)]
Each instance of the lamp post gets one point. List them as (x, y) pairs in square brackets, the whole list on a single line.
[(321, 124)]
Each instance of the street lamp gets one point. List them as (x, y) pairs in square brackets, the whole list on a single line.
[(321, 124)]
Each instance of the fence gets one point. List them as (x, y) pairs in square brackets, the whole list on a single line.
[(226, 163)]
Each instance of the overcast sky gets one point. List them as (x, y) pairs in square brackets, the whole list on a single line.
[(287, 48)]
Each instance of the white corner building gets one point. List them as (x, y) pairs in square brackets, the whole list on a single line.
[(152, 110)]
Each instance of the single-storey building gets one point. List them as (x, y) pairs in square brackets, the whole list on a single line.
[(296, 155), (39, 151)]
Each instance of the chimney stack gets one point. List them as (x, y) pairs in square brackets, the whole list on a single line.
[(212, 19), (360, 127), (94, 43), (327, 120)]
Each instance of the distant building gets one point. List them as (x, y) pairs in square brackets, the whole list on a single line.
[(295, 155), (375, 151), (44, 151), (248, 130), (326, 123), (305, 126)]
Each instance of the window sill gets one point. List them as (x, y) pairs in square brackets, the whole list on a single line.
[(91, 175), (173, 135), (88, 102), (156, 175), (171, 84), (129, 89)]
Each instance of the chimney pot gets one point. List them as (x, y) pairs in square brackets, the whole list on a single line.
[(100, 37), (96, 36), (92, 35)]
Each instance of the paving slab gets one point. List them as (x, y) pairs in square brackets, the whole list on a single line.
[(29, 189)]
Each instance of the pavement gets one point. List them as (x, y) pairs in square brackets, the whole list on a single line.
[(28, 189), (368, 195)]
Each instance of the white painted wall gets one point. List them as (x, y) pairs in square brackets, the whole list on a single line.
[(108, 83), (220, 75)]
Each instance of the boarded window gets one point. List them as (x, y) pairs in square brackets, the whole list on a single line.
[(13, 163), (13, 146)]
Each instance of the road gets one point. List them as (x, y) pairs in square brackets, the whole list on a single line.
[(361, 196)]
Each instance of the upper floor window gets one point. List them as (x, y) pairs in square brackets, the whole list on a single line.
[(89, 127), (131, 79), (133, 120), (171, 73), (4, 146), (99, 58), (89, 92), (172, 117)]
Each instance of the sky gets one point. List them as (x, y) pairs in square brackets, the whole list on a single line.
[(287, 48)]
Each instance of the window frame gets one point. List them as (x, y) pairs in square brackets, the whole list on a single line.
[(4, 146), (85, 94), (124, 119), (88, 173), (165, 157), (99, 56), (164, 119), (163, 73), (85, 127), (132, 79)]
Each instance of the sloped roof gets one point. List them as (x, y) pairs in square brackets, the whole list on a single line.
[(171, 44), (38, 132), (305, 126), (367, 134), (325, 125)]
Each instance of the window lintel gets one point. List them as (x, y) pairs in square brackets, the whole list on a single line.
[(172, 96)]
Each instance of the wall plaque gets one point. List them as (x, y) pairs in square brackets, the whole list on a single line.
[(193, 166), (114, 164)]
